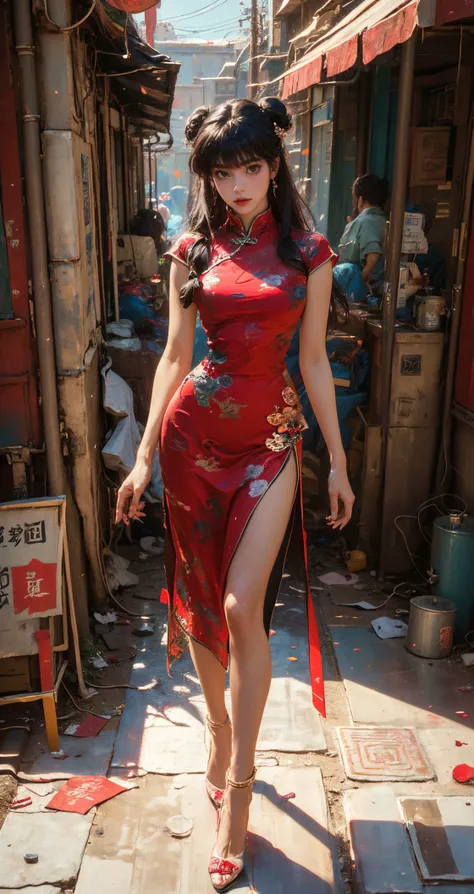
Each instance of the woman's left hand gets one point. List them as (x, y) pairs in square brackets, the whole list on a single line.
[(340, 492)]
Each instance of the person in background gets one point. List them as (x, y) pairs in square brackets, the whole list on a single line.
[(361, 250), (150, 223), (165, 213)]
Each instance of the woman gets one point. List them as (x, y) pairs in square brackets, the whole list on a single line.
[(361, 250), (230, 433)]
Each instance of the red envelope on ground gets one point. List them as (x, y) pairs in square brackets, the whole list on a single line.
[(90, 726), (80, 793)]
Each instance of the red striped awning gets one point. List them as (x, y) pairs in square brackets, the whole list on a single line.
[(343, 57), (302, 77), (390, 32), (382, 24)]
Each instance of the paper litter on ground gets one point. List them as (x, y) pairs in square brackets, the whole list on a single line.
[(388, 628), (106, 618), (334, 579), (468, 659)]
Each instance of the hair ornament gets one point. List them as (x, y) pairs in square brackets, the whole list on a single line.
[(280, 131)]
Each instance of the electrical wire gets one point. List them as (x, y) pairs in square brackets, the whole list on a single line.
[(191, 15), (427, 504), (122, 686), (84, 710), (69, 27)]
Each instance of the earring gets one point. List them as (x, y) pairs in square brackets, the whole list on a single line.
[(275, 187)]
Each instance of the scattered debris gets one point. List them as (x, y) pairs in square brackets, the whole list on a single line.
[(356, 560), (22, 802), (462, 714), (388, 628), (458, 744), (117, 573), (468, 688), (468, 659), (463, 773), (80, 793), (144, 629), (287, 797), (272, 633), (98, 662), (107, 618), (179, 826), (31, 858), (152, 546), (334, 579), (180, 782), (90, 727), (59, 755), (266, 762)]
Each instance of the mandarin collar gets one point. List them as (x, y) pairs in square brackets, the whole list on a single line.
[(259, 225)]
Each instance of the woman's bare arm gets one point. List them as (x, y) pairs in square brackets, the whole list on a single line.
[(318, 380), (172, 369)]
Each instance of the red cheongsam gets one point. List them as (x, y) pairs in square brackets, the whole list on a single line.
[(231, 427)]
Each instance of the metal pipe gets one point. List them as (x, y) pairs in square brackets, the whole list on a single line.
[(455, 320), (397, 218), (126, 174), (363, 126), (253, 61), (35, 207), (150, 175)]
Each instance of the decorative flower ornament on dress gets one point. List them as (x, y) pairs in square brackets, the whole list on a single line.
[(289, 422)]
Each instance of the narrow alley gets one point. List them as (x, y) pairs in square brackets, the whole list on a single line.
[(365, 754)]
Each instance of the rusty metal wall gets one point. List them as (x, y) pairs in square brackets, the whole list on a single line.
[(69, 111), (19, 400)]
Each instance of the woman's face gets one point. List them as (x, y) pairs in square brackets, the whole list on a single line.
[(245, 189)]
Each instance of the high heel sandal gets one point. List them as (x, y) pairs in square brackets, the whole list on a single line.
[(214, 794), (220, 866)]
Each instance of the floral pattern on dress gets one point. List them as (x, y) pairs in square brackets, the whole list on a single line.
[(205, 387), (221, 444)]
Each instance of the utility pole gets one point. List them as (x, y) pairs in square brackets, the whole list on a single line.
[(254, 43)]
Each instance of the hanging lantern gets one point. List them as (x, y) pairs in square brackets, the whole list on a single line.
[(133, 6)]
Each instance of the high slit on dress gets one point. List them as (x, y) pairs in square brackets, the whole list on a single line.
[(230, 429)]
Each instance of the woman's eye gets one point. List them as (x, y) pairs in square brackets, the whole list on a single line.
[(220, 175), (253, 169)]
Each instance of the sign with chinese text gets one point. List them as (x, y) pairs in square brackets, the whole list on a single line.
[(31, 552)]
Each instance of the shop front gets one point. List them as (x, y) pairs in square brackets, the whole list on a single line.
[(410, 82)]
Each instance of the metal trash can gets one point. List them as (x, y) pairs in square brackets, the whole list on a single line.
[(431, 627), (452, 560)]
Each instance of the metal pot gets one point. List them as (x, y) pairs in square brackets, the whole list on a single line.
[(431, 627)]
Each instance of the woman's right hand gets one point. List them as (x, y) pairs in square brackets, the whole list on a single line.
[(131, 490)]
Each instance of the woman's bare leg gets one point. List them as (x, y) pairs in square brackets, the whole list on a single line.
[(212, 679), (250, 662)]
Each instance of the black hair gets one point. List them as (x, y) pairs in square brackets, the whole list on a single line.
[(148, 223), (236, 133), (372, 189)]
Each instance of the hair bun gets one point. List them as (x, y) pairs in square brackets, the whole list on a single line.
[(195, 122), (277, 111)]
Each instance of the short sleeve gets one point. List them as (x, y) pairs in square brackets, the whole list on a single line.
[(369, 240), (180, 248), (316, 251)]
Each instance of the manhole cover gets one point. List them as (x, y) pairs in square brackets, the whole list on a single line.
[(381, 754)]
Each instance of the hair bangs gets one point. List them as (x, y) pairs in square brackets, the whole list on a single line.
[(231, 147)]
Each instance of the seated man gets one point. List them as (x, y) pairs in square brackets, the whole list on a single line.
[(361, 250)]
